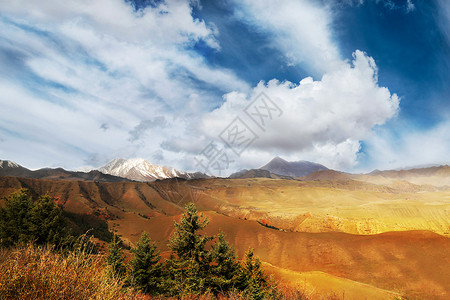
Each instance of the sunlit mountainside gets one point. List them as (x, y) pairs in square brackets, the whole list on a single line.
[(382, 234)]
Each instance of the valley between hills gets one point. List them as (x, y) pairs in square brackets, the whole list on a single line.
[(328, 233)]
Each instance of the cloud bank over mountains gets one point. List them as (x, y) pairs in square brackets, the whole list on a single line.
[(322, 120), (89, 81)]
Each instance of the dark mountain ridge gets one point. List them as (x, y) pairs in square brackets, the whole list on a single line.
[(257, 173), (8, 168), (300, 168)]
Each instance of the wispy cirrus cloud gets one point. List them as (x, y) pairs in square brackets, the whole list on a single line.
[(444, 18), (300, 29), (80, 65)]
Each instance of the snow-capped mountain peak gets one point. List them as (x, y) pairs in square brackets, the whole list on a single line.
[(140, 169), (8, 164)]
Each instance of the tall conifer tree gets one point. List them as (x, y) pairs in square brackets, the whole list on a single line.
[(190, 263), (225, 268), (116, 258), (146, 270), (254, 282)]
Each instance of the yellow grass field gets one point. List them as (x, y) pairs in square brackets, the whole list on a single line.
[(320, 285)]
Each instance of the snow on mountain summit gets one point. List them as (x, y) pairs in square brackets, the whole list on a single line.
[(140, 169), (8, 164)]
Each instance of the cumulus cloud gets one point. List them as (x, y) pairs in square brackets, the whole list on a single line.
[(321, 120)]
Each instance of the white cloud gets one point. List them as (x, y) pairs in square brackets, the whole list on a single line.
[(170, 22), (118, 68), (146, 48), (410, 6), (301, 29), (322, 120), (410, 147), (122, 68)]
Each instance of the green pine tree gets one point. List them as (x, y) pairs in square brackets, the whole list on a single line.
[(253, 281), (116, 258), (40, 222), (47, 223), (189, 266), (15, 219), (146, 271), (225, 268)]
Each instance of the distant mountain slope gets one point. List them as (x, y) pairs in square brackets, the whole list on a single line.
[(257, 173), (328, 175), (9, 168), (430, 171), (301, 168), (437, 176), (141, 170)]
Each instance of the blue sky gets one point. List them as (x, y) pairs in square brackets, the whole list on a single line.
[(359, 84)]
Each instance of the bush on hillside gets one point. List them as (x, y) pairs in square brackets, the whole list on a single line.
[(81, 223)]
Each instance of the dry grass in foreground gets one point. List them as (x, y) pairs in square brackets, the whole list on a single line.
[(39, 273)]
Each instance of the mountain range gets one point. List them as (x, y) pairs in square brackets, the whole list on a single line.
[(117, 170), (139, 169), (9, 168)]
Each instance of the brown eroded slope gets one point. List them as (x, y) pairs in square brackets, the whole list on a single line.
[(94, 197), (415, 263), (307, 206)]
